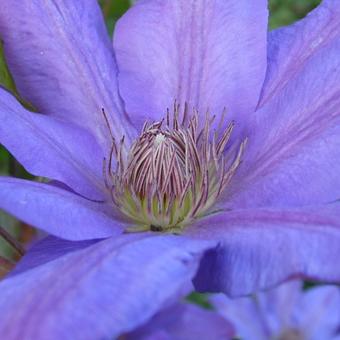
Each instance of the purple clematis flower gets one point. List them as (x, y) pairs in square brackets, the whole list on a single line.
[(183, 321), (252, 193), (284, 313)]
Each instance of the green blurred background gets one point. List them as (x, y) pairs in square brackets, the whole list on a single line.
[(285, 12), (282, 12)]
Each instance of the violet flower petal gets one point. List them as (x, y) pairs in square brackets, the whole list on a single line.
[(48, 249), (122, 281), (184, 321), (210, 56), (57, 211), (244, 315), (314, 313), (319, 312), (291, 47), (62, 61), (51, 148), (278, 307), (261, 247), (291, 157)]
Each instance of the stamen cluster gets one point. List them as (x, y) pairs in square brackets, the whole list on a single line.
[(173, 173)]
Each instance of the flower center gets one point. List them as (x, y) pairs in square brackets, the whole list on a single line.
[(291, 334), (173, 173)]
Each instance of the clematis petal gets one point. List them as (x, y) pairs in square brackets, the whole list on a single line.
[(279, 306), (321, 315), (243, 313), (51, 148), (312, 314), (292, 154), (48, 249), (267, 315), (122, 280), (211, 55), (291, 47), (57, 211), (62, 61), (261, 247), (184, 321)]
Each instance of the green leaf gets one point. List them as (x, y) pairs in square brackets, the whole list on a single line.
[(285, 12), (199, 299), (4, 161), (113, 10)]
